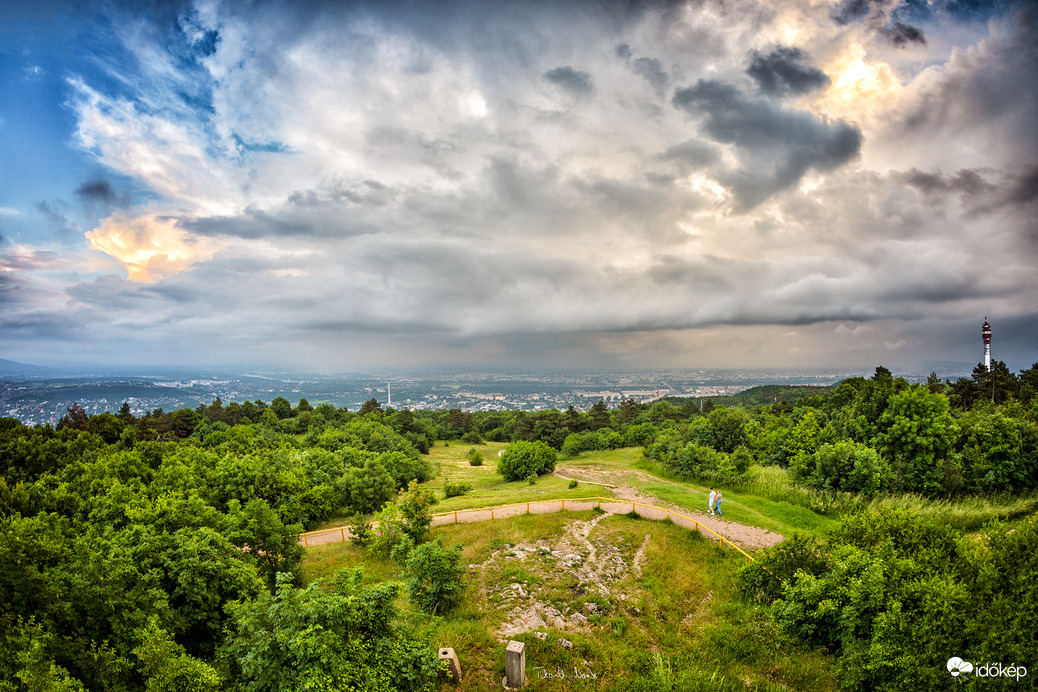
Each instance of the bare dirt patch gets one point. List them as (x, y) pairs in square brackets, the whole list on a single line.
[(587, 571)]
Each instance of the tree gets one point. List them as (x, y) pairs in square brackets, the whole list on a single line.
[(416, 506), (258, 531), (75, 419), (365, 489), (997, 384), (729, 427), (281, 408), (628, 411), (125, 414), (523, 459), (599, 415), (437, 577), (106, 426), (370, 406), (332, 635), (917, 435)]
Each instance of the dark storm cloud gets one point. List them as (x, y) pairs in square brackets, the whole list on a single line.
[(573, 81), (900, 34), (777, 146), (97, 191), (966, 181), (850, 11), (100, 191), (786, 70), (999, 83), (1025, 187)]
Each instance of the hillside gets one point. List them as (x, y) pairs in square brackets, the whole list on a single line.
[(763, 395)]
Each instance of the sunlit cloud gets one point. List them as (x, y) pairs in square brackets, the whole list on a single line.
[(150, 247)]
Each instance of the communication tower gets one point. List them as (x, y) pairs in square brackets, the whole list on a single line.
[(986, 333)]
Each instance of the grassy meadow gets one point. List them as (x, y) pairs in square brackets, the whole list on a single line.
[(659, 608)]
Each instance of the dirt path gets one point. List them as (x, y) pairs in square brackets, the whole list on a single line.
[(618, 480)]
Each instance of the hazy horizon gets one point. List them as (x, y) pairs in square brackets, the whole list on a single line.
[(364, 186)]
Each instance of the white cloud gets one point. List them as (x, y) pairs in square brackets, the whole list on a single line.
[(363, 176)]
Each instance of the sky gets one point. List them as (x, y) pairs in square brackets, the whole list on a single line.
[(342, 187)]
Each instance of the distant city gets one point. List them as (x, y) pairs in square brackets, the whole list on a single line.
[(38, 396)]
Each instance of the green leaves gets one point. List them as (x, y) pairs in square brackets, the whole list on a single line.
[(521, 459), (331, 635), (437, 576)]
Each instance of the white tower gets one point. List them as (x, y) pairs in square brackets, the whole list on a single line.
[(389, 390), (986, 333)]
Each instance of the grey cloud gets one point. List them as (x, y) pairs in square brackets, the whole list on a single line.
[(348, 208), (57, 218), (693, 154), (98, 190), (998, 84), (570, 80), (900, 34), (1025, 187), (966, 181), (850, 10), (653, 72), (778, 146), (623, 51), (876, 11), (785, 71)]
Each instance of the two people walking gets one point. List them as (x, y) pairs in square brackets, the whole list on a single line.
[(713, 503)]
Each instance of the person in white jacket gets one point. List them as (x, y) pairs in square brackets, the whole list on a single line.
[(710, 501)]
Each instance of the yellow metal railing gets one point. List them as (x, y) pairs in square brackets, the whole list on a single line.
[(696, 526)]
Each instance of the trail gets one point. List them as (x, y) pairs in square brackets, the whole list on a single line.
[(619, 479)]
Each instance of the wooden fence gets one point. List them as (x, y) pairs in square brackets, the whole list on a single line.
[(611, 505)]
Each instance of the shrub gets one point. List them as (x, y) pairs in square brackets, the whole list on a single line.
[(390, 531), (363, 490), (455, 489), (472, 437), (416, 509), (475, 457), (361, 533), (572, 484), (523, 459), (437, 576)]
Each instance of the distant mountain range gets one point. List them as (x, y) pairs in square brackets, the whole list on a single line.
[(10, 368)]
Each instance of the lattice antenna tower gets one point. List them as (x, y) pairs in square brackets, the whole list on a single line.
[(986, 333)]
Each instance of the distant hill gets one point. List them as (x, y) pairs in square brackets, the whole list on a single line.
[(10, 368), (756, 396)]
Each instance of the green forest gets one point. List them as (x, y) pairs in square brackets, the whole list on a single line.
[(161, 551)]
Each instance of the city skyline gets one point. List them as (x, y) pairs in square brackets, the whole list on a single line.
[(361, 186)]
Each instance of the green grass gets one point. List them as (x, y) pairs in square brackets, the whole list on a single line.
[(489, 488)]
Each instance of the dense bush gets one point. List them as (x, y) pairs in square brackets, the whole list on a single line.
[(893, 596), (330, 635), (437, 576), (524, 459), (451, 489)]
